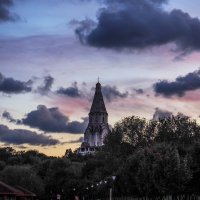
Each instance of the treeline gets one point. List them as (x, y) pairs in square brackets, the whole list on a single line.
[(148, 158)]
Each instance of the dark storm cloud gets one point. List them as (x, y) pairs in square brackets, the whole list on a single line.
[(52, 120), (72, 91), (141, 24), (161, 114), (182, 84), (5, 14), (21, 136), (47, 85), (111, 93), (12, 86)]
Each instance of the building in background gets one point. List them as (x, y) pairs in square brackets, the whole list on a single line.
[(98, 126)]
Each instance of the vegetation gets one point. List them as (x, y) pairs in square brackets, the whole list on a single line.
[(148, 158)]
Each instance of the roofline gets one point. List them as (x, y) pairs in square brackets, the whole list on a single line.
[(17, 191)]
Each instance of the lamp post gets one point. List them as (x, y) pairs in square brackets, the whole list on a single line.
[(74, 192), (111, 188), (92, 192), (51, 194), (87, 193)]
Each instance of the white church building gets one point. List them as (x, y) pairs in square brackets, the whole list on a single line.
[(98, 126)]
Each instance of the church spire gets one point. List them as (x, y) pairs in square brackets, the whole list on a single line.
[(98, 105), (97, 127)]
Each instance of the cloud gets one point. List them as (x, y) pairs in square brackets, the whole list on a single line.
[(7, 115), (180, 86), (161, 114), (76, 126), (5, 14), (72, 91), (12, 86), (21, 147), (21, 136), (181, 115), (111, 93), (52, 120), (141, 24), (83, 28), (74, 141), (47, 85), (139, 91)]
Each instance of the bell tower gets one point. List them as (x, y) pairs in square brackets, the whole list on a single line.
[(97, 127)]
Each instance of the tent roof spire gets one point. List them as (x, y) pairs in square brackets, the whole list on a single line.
[(98, 102)]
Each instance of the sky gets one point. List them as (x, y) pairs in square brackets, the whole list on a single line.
[(145, 52)]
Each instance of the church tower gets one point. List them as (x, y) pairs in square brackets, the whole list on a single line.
[(97, 127)]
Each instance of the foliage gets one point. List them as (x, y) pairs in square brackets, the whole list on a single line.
[(148, 158), (23, 176)]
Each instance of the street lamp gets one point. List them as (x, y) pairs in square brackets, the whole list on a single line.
[(113, 178), (111, 188), (74, 192), (92, 191)]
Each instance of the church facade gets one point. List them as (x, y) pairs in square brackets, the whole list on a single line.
[(98, 126)]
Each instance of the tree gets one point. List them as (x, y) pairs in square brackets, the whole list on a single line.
[(23, 176), (68, 153), (155, 170), (177, 130), (6, 153), (132, 130), (195, 166), (2, 165)]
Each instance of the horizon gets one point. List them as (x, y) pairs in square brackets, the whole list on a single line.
[(52, 53)]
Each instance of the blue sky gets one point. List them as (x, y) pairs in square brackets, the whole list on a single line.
[(42, 54)]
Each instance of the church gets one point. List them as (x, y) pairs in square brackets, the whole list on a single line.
[(97, 127)]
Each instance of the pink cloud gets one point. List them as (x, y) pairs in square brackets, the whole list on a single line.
[(71, 106)]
